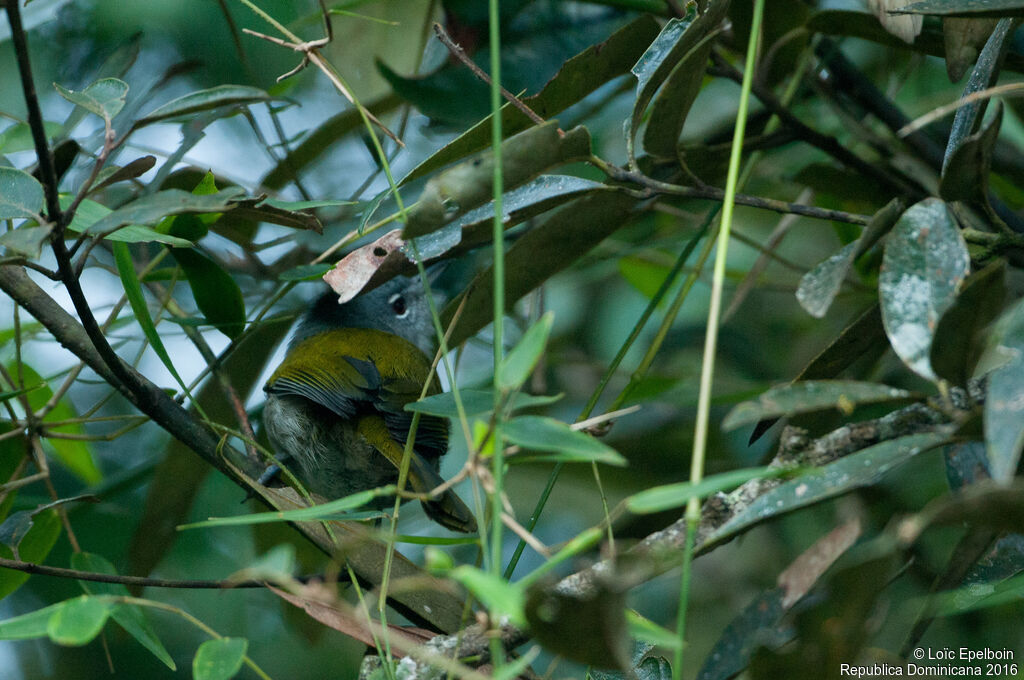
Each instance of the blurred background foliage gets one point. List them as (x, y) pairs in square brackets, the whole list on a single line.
[(167, 48)]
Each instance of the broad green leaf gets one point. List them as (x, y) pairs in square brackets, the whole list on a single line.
[(27, 241), (499, 596), (133, 291), (154, 207), (130, 617), (474, 402), (810, 396), (18, 137), (520, 204), (578, 77), (306, 272), (959, 336), (73, 454), (925, 262), (643, 274), (78, 621), (657, 62), (517, 365), (1004, 403), (983, 75), (105, 97), (336, 509), (668, 496), (29, 626), (21, 195), (219, 659), (1009, 8), (965, 177), (645, 630), (90, 212), (204, 100), (33, 546), (468, 185), (860, 469), (216, 294), (538, 433)]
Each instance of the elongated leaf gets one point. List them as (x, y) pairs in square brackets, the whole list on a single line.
[(78, 621), (819, 287), (219, 659), (133, 291), (983, 75), (306, 272), (499, 596), (863, 468), (216, 294), (105, 97), (474, 402), (113, 174), (90, 212), (1008, 8), (130, 617), (924, 264), (810, 396), (27, 241), (18, 137), (1004, 405), (958, 337), (468, 185), (538, 433), (333, 510), (965, 177), (28, 626), (21, 195), (518, 364), (205, 100), (577, 78), (668, 496), (152, 208)]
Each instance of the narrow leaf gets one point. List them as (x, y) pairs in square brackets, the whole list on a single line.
[(216, 294), (668, 496), (538, 433), (333, 510), (474, 402), (1004, 404), (205, 100), (499, 596), (154, 207), (517, 365)]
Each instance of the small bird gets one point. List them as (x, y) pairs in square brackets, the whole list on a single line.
[(335, 405)]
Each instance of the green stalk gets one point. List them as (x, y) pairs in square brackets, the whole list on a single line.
[(711, 339)]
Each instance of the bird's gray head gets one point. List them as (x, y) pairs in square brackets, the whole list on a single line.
[(399, 306)]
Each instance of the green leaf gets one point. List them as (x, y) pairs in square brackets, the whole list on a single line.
[(219, 659), (959, 336), (657, 62), (335, 509), (668, 496), (577, 78), (538, 433), (648, 631), (90, 212), (21, 195), (27, 241), (819, 287), (965, 177), (78, 621), (1008, 8), (75, 455), (1004, 403), (33, 546), (474, 402), (306, 272), (468, 185), (216, 294), (499, 596), (810, 396), (130, 617), (133, 291), (863, 468), (154, 207), (925, 262), (983, 75), (104, 97), (205, 100), (18, 137), (517, 365)]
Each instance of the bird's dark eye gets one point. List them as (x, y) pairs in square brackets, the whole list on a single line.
[(398, 305)]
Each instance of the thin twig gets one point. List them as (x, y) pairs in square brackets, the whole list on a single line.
[(461, 55), (140, 581)]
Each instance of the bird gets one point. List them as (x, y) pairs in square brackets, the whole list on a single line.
[(335, 406)]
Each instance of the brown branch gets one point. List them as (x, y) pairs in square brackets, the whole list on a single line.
[(138, 581), (461, 55)]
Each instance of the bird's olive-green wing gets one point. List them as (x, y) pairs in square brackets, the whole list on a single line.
[(354, 370)]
